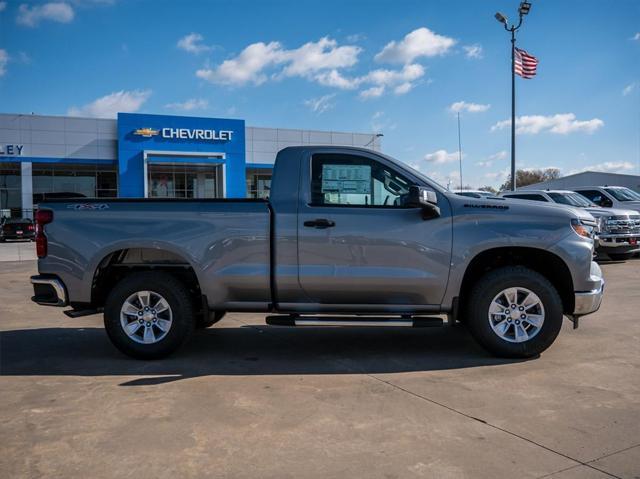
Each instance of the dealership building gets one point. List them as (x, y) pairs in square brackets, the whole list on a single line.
[(143, 156)]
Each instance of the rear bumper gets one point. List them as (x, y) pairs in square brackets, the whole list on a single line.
[(13, 236), (49, 290), (587, 302)]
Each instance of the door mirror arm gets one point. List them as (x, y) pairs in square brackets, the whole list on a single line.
[(425, 199)]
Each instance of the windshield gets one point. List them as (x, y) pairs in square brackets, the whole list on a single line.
[(623, 194), (571, 199)]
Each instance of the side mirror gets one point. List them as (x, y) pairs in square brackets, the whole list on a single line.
[(420, 197)]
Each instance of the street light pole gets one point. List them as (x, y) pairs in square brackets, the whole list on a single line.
[(513, 108), (523, 10)]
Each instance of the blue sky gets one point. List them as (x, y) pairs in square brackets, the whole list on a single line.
[(398, 67)]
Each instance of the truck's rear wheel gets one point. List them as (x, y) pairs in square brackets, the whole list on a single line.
[(149, 315), (514, 312)]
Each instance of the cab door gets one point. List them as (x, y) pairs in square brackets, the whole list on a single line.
[(358, 244)]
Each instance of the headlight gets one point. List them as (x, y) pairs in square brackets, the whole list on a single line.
[(602, 225), (582, 229)]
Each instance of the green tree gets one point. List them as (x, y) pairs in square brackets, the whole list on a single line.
[(530, 177), (488, 189)]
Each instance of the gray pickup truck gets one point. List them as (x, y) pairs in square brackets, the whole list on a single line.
[(348, 237)]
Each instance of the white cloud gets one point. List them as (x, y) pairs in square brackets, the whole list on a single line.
[(636, 36), (629, 88), (381, 79), (499, 156), (108, 106), (473, 51), (60, 12), (607, 166), (324, 54), (403, 88), (3, 6), (468, 107), (192, 43), (189, 105), (246, 67), (421, 42), (321, 104), (321, 57), (372, 92), (440, 157), (498, 175), (561, 123), (4, 59), (322, 62), (335, 79)]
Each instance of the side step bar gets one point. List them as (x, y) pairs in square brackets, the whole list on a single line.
[(373, 321)]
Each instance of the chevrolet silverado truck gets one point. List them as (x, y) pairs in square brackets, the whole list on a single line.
[(349, 237)]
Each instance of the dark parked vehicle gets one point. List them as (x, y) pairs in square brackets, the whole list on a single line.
[(17, 228)]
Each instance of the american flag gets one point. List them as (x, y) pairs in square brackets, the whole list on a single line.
[(525, 64)]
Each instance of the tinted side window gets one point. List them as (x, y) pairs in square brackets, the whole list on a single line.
[(350, 180), (597, 197)]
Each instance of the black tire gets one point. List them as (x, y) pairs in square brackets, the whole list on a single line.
[(490, 285), (175, 293), (212, 318), (620, 256)]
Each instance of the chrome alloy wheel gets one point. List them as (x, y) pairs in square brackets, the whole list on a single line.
[(146, 317), (516, 314)]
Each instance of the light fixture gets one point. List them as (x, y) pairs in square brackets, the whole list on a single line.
[(524, 7), (501, 18)]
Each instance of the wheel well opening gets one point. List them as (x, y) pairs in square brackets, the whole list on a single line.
[(118, 264), (548, 264)]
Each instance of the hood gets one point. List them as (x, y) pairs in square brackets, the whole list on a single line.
[(631, 205), (551, 210)]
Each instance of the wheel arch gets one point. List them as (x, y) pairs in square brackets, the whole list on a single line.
[(117, 263), (550, 265)]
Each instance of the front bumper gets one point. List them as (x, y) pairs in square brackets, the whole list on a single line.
[(621, 242), (587, 302), (48, 290)]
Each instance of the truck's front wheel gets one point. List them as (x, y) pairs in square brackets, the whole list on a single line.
[(149, 315), (514, 312)]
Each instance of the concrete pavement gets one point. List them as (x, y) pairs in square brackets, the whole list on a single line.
[(246, 400)]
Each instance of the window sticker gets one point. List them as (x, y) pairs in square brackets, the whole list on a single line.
[(346, 179)]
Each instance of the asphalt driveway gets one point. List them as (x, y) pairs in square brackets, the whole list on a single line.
[(247, 400)]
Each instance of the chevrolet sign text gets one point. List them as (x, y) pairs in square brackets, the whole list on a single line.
[(197, 134)]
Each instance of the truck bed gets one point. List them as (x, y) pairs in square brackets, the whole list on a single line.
[(224, 241)]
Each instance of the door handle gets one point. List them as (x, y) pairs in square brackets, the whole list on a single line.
[(320, 223)]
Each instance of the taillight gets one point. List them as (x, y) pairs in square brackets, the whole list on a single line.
[(30, 227), (43, 217)]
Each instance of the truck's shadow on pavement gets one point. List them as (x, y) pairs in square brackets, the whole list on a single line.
[(244, 351)]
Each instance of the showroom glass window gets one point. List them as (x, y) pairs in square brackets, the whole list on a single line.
[(10, 189), (258, 182), (183, 180), (54, 180), (351, 180)]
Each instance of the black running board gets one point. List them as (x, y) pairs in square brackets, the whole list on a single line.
[(78, 313), (354, 321)]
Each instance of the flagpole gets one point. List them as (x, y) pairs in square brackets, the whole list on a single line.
[(513, 109), (460, 151)]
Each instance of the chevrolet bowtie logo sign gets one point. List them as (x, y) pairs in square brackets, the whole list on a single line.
[(146, 132)]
